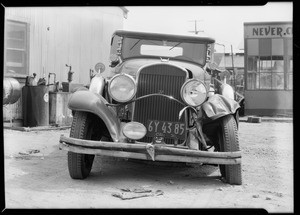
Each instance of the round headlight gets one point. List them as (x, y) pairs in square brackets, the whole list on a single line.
[(122, 88), (193, 92)]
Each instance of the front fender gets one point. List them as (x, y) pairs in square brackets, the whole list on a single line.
[(94, 103), (218, 106), (97, 84)]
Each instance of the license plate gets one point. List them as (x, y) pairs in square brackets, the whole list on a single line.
[(166, 129)]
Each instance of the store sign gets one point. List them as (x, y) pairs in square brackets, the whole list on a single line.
[(268, 31)]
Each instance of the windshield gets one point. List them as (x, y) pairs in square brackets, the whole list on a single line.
[(134, 47)]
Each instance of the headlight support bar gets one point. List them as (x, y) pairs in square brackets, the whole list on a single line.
[(146, 96)]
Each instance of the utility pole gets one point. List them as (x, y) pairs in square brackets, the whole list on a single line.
[(196, 31)]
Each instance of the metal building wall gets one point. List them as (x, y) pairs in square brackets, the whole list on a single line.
[(77, 36)]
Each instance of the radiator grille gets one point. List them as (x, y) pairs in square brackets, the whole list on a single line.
[(159, 78)]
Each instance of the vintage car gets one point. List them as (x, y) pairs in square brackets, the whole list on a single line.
[(157, 104)]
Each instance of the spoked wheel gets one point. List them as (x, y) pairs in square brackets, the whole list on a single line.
[(228, 142), (83, 127)]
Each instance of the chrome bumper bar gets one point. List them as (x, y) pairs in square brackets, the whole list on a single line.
[(147, 151)]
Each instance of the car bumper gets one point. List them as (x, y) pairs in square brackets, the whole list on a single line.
[(147, 151)]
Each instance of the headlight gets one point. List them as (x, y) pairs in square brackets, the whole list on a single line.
[(122, 88), (193, 92)]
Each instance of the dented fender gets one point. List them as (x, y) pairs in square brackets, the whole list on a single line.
[(218, 106), (88, 101)]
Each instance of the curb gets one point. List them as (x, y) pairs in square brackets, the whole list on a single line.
[(254, 119)]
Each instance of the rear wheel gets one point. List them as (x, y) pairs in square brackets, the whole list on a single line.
[(83, 127), (228, 142)]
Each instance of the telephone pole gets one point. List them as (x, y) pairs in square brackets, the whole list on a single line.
[(196, 31)]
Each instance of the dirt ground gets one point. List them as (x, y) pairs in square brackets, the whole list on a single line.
[(36, 176)]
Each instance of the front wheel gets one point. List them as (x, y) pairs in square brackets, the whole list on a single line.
[(83, 127), (228, 142)]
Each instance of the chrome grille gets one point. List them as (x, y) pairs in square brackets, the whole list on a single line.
[(164, 79)]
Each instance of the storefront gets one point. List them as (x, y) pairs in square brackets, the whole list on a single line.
[(268, 68)]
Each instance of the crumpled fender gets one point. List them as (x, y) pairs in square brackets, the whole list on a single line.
[(218, 106), (94, 103)]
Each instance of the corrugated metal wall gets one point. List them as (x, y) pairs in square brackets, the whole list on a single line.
[(77, 36)]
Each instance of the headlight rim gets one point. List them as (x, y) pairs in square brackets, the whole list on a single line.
[(127, 76), (191, 80)]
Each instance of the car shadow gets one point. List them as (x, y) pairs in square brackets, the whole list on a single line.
[(143, 172)]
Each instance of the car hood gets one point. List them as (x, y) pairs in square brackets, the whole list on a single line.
[(131, 66)]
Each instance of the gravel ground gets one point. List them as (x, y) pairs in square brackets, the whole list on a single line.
[(36, 176)]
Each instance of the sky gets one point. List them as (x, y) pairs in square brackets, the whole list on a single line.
[(224, 23)]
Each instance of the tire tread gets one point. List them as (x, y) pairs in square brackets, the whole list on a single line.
[(76, 160), (231, 143)]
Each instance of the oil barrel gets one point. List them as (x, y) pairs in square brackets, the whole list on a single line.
[(11, 91), (35, 105)]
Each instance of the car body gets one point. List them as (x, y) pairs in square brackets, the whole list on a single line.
[(158, 104)]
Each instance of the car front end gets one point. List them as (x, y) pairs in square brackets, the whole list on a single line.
[(157, 107)]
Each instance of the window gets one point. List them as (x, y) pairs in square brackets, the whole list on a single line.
[(166, 51), (16, 49), (252, 73), (290, 64), (265, 73), (135, 47), (290, 75), (277, 72), (265, 69)]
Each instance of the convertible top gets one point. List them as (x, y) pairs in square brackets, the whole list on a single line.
[(162, 36)]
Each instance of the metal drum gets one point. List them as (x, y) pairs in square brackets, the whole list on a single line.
[(35, 105), (11, 91)]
